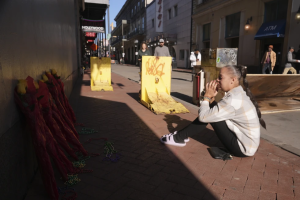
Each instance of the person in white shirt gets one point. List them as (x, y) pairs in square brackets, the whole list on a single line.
[(194, 58), (236, 119)]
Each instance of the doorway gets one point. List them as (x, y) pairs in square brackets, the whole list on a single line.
[(277, 48), (186, 59), (232, 42)]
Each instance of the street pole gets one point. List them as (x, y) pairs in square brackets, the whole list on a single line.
[(122, 44), (101, 37), (108, 28), (104, 38), (136, 50)]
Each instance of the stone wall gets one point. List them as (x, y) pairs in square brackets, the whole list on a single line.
[(34, 36)]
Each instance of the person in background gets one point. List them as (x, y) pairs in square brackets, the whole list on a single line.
[(142, 52), (289, 66), (269, 60), (194, 58), (161, 50)]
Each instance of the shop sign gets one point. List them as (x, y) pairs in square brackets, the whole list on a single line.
[(95, 23), (93, 29), (270, 28), (159, 15), (90, 34)]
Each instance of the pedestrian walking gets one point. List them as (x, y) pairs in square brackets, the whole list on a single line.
[(289, 66), (142, 52), (194, 58), (236, 118), (161, 50), (269, 60)]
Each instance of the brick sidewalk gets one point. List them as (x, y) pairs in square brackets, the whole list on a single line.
[(150, 170)]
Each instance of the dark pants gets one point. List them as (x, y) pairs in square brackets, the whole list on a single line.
[(225, 135)]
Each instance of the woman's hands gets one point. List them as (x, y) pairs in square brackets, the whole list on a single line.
[(211, 89)]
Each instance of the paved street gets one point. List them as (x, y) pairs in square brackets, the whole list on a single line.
[(282, 128), (149, 170)]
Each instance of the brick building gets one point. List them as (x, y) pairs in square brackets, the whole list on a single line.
[(130, 30), (248, 25)]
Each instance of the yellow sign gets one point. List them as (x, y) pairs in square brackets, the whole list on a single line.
[(100, 74), (156, 86)]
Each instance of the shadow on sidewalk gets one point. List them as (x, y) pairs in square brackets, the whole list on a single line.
[(135, 96), (176, 123), (146, 167), (182, 97), (181, 79), (206, 137)]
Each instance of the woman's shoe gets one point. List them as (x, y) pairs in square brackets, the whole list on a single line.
[(185, 140), (169, 139)]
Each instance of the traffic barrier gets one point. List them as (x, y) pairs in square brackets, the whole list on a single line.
[(101, 74), (156, 86)]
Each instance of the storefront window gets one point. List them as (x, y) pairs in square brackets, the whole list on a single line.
[(233, 25), (181, 54), (275, 10), (138, 24), (206, 32), (143, 23)]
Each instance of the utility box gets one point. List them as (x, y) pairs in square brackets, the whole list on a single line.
[(212, 60)]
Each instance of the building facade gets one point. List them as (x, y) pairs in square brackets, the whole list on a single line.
[(250, 26), (173, 25), (130, 31)]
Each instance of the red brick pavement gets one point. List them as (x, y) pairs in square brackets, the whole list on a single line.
[(150, 170)]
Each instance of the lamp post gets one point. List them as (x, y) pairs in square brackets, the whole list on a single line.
[(247, 25), (123, 39), (298, 16), (136, 52)]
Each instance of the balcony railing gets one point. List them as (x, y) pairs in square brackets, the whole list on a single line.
[(115, 40), (137, 31), (137, 12)]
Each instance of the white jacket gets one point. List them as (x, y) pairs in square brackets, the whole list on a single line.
[(193, 58)]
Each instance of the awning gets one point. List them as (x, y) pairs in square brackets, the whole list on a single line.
[(271, 30)]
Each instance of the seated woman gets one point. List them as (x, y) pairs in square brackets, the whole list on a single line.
[(236, 119)]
